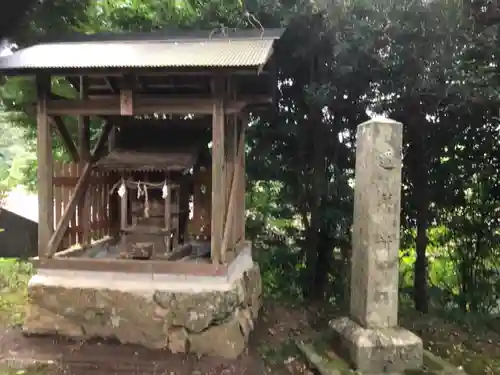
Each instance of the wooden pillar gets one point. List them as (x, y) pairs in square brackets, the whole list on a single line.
[(45, 168), (112, 139), (175, 211), (168, 217), (231, 162), (114, 205), (239, 219), (124, 216), (114, 209), (219, 193), (84, 151), (199, 227), (234, 205), (242, 182)]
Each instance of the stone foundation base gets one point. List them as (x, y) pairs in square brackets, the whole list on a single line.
[(206, 318), (389, 350)]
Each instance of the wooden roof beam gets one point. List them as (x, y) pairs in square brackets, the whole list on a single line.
[(147, 72), (108, 81), (146, 104), (66, 137), (111, 84)]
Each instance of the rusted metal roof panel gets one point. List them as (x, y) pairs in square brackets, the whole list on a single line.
[(143, 53)]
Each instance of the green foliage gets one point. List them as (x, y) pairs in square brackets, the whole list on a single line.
[(14, 277), (15, 154)]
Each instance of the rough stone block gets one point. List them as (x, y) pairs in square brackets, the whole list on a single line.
[(326, 360), (376, 217), (372, 351), (178, 340), (214, 323), (227, 335)]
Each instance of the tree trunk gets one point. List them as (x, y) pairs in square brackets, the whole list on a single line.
[(312, 242), (318, 256), (420, 280), (465, 282), (421, 194), (346, 250), (323, 262)]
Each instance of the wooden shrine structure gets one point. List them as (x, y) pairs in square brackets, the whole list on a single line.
[(171, 112)]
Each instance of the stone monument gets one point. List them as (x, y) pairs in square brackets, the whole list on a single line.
[(370, 338)]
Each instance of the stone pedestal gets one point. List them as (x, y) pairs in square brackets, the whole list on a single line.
[(204, 315), (376, 351), (370, 338)]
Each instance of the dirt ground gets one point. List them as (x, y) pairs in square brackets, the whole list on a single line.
[(263, 356), (476, 349), (271, 350), (109, 358)]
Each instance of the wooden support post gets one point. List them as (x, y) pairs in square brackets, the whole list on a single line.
[(66, 138), (241, 209), (84, 146), (235, 162), (219, 193), (112, 140), (123, 218), (229, 228), (126, 102), (84, 124), (229, 237), (45, 168), (114, 210), (175, 219), (199, 226), (230, 145), (168, 217), (127, 95)]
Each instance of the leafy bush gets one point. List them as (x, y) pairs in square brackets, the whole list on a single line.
[(14, 277)]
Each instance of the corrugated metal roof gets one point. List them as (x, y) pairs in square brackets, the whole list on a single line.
[(167, 35), (218, 52)]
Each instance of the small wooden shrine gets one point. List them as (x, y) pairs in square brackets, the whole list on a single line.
[(160, 110), (172, 111), (160, 170)]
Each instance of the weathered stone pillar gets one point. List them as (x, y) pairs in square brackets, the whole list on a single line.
[(370, 337)]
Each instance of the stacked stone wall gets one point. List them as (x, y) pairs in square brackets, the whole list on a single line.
[(214, 323)]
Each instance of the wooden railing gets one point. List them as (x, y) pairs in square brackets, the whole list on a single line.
[(66, 176)]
